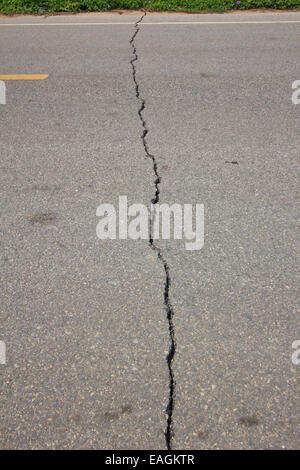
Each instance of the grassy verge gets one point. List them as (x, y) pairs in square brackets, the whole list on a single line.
[(52, 6)]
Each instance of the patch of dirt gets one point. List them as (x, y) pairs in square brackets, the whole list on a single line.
[(46, 218)]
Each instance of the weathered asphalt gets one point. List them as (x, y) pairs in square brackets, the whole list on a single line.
[(84, 321)]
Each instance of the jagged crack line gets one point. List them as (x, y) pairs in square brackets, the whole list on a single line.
[(168, 306)]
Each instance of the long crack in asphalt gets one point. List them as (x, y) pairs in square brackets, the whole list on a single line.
[(169, 433)]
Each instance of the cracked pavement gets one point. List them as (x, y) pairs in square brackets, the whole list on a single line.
[(204, 115), (169, 433)]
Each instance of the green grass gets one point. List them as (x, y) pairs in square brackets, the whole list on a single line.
[(52, 6)]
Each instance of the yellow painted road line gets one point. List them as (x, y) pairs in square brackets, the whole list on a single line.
[(26, 76), (158, 23)]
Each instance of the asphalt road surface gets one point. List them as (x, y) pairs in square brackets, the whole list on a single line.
[(88, 323)]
